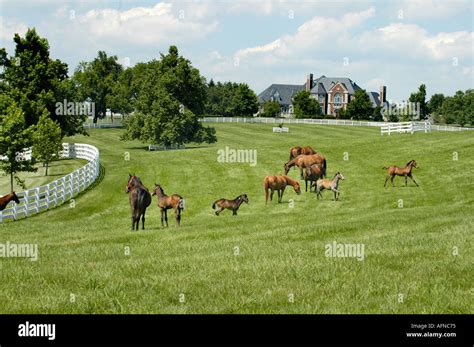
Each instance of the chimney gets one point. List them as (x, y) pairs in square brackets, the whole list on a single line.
[(383, 94), (309, 82)]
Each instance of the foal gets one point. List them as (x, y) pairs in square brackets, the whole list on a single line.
[(333, 184), (312, 174), (393, 171), (4, 200), (230, 204), (165, 202)]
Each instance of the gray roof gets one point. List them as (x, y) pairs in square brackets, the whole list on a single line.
[(283, 93), (328, 82), (374, 98)]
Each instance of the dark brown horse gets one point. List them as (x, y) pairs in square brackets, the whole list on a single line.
[(312, 174), (165, 202), (230, 204), (393, 171), (4, 200), (279, 184), (139, 198), (302, 161), (298, 150)]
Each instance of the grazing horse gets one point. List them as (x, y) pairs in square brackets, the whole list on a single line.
[(312, 174), (333, 184), (139, 198), (279, 183), (303, 161), (4, 200), (294, 152), (393, 171), (230, 204), (165, 202)]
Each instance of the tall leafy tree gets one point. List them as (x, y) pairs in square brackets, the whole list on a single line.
[(47, 141), (360, 106), (15, 138), (305, 106), (244, 101), (95, 81), (419, 97), (435, 102), (271, 109), (35, 81)]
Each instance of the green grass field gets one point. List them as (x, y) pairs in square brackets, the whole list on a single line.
[(268, 259)]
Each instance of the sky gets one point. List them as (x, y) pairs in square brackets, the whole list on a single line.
[(400, 44)]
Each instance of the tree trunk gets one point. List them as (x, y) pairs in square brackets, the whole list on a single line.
[(47, 165), (11, 182)]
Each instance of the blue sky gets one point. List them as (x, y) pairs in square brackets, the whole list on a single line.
[(400, 44)]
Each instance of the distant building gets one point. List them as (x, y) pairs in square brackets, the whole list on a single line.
[(332, 94)]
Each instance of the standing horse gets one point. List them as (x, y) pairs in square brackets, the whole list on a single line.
[(279, 183), (139, 198), (303, 161), (4, 200), (393, 171), (333, 184), (297, 150), (308, 150), (165, 202), (230, 204), (312, 174)]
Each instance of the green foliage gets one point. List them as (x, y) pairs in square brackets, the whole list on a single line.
[(230, 99), (161, 117), (305, 106), (271, 109), (35, 81), (458, 108), (244, 101), (377, 114), (419, 97), (435, 102), (95, 81), (360, 106), (121, 98), (15, 138), (47, 141)]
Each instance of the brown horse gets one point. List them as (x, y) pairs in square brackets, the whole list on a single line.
[(333, 185), (308, 150), (303, 161), (4, 200), (279, 183), (393, 171), (230, 204), (297, 150), (165, 202), (312, 174), (139, 198)]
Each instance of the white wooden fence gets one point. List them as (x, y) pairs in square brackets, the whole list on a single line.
[(405, 127), (53, 194), (321, 122), (281, 130)]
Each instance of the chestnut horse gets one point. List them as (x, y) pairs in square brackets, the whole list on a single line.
[(393, 171), (303, 161), (312, 174), (139, 198), (165, 202), (230, 204), (333, 185), (297, 150), (4, 200), (279, 183)]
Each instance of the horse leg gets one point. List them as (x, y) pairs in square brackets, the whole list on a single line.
[(413, 180), (406, 179), (166, 217), (386, 179), (271, 195), (234, 212), (178, 216), (162, 215), (281, 195), (143, 221), (391, 179), (133, 222), (137, 221), (301, 173), (219, 211), (306, 186)]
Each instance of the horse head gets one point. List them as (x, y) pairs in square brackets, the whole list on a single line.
[(297, 188), (245, 198), (132, 181), (413, 163), (286, 167), (15, 198), (157, 188), (340, 176)]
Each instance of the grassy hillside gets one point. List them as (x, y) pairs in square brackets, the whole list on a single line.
[(280, 247)]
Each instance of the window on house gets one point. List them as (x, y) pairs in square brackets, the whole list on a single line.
[(321, 99), (337, 100)]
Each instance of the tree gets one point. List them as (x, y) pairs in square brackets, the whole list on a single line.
[(271, 109), (35, 81), (377, 114), (95, 81), (419, 98), (15, 138), (435, 102), (47, 141), (121, 98), (360, 106), (305, 106), (244, 101), (469, 105)]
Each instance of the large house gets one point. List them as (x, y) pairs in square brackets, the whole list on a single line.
[(331, 92)]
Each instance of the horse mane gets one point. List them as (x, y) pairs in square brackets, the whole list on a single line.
[(290, 180), (411, 161)]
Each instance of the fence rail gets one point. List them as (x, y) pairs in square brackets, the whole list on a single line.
[(405, 127), (56, 193), (319, 122)]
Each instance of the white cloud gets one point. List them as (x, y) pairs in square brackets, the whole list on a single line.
[(416, 9), (9, 28)]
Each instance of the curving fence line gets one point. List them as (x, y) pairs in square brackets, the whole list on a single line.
[(56, 193)]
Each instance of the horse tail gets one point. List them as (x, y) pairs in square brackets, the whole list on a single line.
[(324, 167), (385, 168), (265, 185), (214, 204)]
